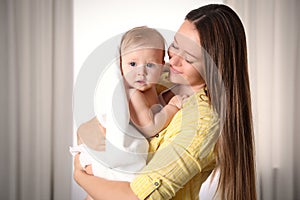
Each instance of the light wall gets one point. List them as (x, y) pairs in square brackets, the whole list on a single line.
[(96, 21)]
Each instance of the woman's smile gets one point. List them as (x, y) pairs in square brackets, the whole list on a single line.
[(173, 70)]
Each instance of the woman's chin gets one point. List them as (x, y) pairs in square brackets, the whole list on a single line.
[(177, 79)]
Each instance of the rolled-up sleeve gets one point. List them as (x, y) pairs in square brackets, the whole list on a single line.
[(185, 150), (168, 171)]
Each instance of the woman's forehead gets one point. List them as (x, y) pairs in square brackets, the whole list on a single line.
[(187, 39), (188, 30)]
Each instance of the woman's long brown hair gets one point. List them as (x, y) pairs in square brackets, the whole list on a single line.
[(223, 37)]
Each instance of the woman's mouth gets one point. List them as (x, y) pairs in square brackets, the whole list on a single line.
[(174, 71)]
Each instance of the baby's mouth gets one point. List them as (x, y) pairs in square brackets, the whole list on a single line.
[(141, 81)]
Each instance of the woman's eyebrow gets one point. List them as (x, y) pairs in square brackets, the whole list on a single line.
[(185, 50)]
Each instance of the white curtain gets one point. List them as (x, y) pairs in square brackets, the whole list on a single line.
[(36, 79), (273, 31)]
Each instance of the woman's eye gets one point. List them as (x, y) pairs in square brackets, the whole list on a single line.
[(188, 61), (132, 64), (174, 46), (149, 65)]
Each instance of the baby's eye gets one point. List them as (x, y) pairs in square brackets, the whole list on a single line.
[(132, 64), (149, 65)]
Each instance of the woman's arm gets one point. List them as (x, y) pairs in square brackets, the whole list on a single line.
[(92, 133), (99, 188)]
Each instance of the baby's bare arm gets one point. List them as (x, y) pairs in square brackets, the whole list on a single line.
[(168, 112), (151, 123)]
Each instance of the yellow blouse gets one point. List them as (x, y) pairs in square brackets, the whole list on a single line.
[(181, 157)]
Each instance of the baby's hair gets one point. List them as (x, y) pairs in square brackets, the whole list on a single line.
[(140, 38)]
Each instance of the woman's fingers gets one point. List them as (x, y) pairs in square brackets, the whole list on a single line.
[(77, 165)]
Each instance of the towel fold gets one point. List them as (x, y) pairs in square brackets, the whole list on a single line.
[(126, 149)]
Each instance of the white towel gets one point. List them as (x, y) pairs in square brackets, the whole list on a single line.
[(126, 148)]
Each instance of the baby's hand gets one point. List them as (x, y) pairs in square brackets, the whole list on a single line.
[(178, 101)]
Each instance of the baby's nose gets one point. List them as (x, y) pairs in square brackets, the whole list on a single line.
[(141, 70)]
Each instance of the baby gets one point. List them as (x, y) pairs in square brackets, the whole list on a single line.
[(141, 67), (142, 52)]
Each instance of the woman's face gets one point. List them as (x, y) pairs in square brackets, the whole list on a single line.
[(185, 57)]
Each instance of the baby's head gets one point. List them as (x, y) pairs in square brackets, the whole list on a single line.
[(142, 52)]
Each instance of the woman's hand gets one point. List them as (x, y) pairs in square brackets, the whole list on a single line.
[(78, 169), (99, 188), (77, 165), (89, 170)]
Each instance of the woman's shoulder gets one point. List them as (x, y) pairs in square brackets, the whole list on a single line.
[(199, 110), (198, 100)]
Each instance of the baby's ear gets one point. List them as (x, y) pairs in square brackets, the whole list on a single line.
[(121, 66)]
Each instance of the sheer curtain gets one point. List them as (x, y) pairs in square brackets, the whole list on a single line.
[(36, 79), (272, 29)]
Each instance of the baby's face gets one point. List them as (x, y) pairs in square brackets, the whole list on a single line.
[(142, 68)]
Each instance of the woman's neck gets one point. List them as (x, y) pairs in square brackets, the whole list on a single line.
[(197, 88), (188, 89)]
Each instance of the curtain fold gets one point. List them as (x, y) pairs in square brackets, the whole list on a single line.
[(297, 124), (273, 49), (37, 80)]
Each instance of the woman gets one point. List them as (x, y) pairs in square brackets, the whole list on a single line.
[(214, 127)]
